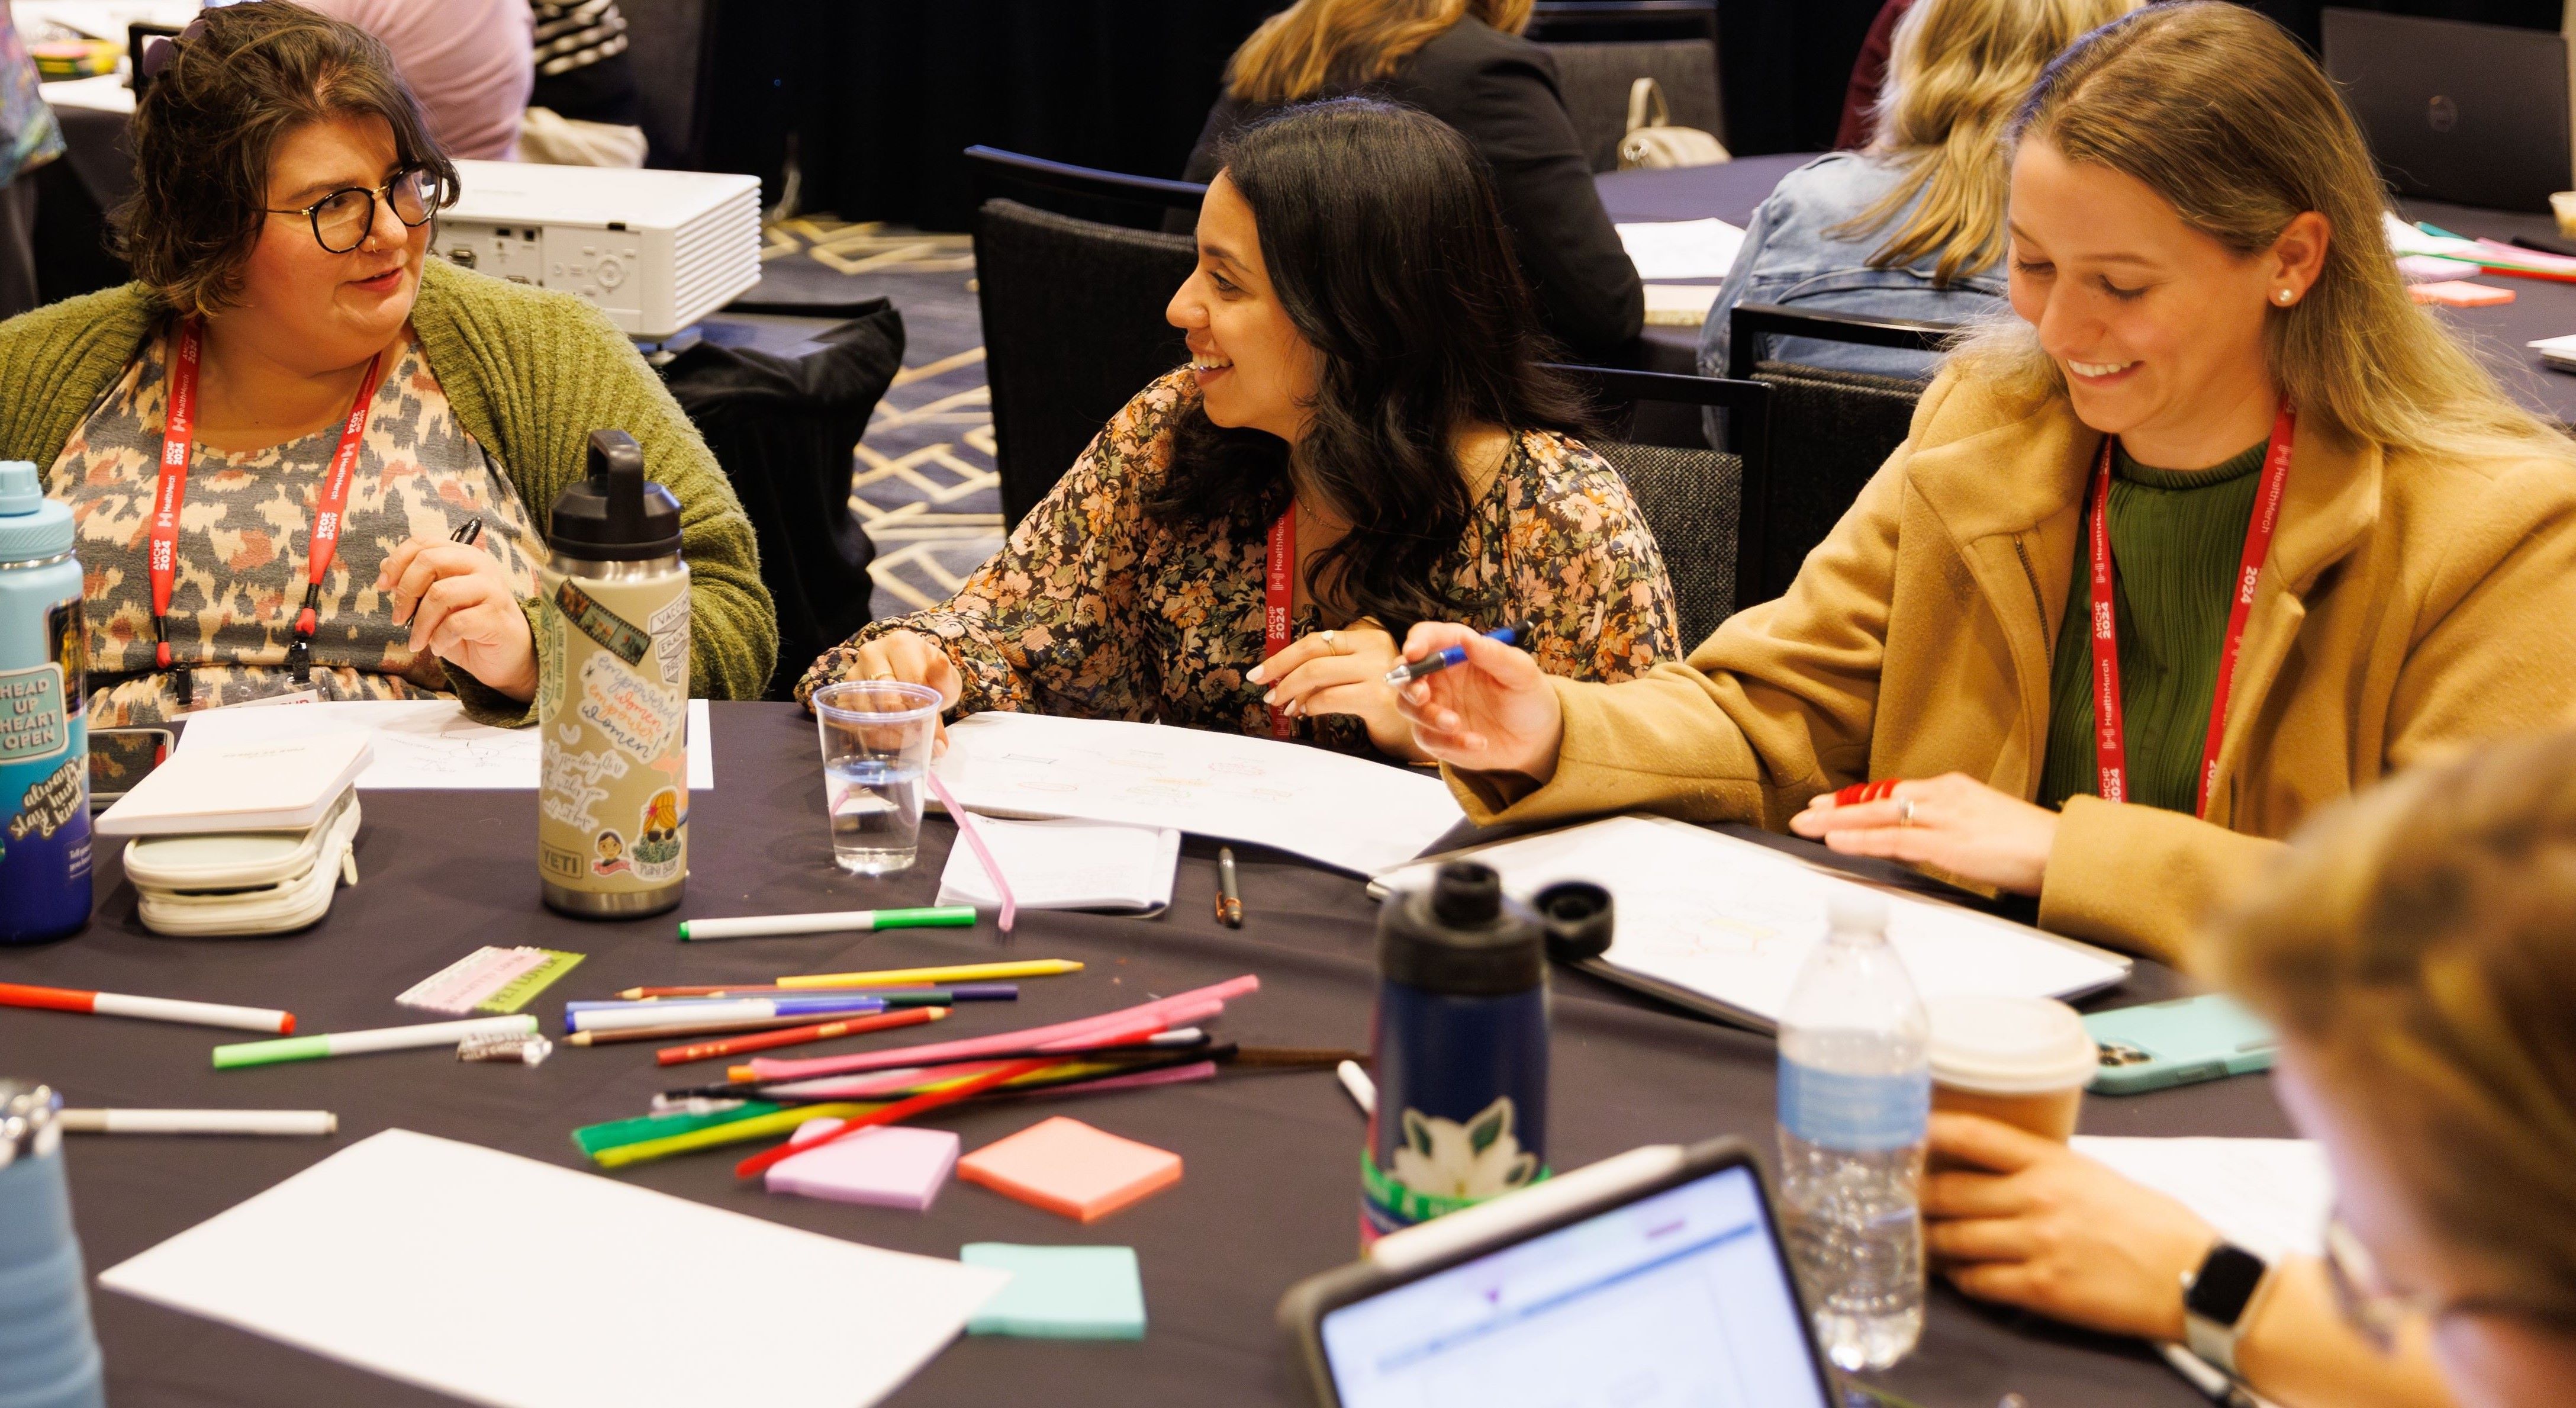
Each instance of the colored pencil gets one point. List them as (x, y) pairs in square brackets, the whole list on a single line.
[(155, 1009), (894, 993), (645, 1014), (795, 1036), (736, 989), (758, 1164), (1180, 1009), (872, 1084), (963, 973), (758, 926)]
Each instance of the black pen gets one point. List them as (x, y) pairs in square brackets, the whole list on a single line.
[(1229, 900), (472, 530)]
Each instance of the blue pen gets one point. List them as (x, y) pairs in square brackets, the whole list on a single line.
[(1433, 664)]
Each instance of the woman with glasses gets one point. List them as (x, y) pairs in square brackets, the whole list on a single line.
[(305, 461), (2416, 952)]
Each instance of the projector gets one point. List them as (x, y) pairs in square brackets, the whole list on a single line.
[(655, 250)]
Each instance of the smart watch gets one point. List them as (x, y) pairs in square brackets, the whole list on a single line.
[(2214, 1301)]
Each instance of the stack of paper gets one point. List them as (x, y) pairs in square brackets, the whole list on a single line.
[(419, 743), (1681, 249), (1067, 865), (1344, 811), (369, 1257), (2269, 1196), (1722, 925)]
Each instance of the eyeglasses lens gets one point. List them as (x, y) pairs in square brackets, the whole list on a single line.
[(411, 196), (342, 221)]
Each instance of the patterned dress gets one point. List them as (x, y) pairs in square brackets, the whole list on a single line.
[(1095, 609), (244, 532)]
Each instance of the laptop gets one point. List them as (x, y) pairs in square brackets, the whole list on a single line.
[(1653, 1277), (2474, 114)]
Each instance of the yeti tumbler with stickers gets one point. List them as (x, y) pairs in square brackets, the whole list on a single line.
[(613, 693)]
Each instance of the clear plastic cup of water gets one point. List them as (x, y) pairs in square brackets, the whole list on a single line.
[(876, 745)]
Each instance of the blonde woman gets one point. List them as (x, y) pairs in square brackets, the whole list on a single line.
[(2417, 952), (1464, 62), (1913, 227), (2214, 381)]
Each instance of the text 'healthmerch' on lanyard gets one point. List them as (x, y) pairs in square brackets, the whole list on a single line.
[(2110, 746), (178, 442), (1279, 589)]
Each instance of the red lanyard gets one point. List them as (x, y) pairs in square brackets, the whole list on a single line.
[(2110, 748), (1279, 585), (178, 441)]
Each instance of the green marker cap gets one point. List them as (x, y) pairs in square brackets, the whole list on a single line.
[(269, 1053), (947, 916)]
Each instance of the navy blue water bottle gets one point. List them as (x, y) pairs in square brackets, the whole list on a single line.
[(1459, 1051), (44, 745), (48, 1355)]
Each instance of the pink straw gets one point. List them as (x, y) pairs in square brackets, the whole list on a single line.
[(975, 838), (1158, 1011)]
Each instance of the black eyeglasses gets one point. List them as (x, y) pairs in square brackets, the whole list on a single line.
[(341, 219)]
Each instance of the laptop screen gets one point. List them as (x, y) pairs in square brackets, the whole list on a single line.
[(1678, 1298)]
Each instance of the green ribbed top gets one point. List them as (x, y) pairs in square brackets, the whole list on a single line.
[(2177, 537)]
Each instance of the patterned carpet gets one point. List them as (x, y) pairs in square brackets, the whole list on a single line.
[(925, 485)]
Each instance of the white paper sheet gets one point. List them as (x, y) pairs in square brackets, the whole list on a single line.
[(1066, 865), (1682, 249), (2269, 1196), (1344, 811), (510, 1282), (1679, 305), (1731, 922), (422, 743)]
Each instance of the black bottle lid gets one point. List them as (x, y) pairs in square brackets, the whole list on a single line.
[(615, 515), (1461, 937), (1577, 915)]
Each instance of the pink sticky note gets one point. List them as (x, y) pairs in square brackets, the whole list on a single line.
[(896, 1166), (1068, 1167), (2459, 293)]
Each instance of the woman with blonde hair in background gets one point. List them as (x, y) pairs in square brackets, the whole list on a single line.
[(2327, 546), (1464, 62), (1913, 227), (2416, 951)]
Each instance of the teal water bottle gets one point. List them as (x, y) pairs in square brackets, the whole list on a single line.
[(48, 1354), (44, 744)]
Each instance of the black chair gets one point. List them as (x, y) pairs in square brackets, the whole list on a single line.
[(1073, 328), (1830, 430), (1595, 79), (1106, 197), (783, 430), (1691, 498)]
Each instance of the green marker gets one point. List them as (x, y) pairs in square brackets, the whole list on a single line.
[(758, 926), (314, 1048)]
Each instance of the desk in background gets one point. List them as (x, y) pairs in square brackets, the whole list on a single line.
[(1730, 190), (1271, 1191)]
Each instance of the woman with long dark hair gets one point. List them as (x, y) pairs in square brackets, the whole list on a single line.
[(1365, 404)]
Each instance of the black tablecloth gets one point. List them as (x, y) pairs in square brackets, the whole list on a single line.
[(1270, 1193), (2540, 308)]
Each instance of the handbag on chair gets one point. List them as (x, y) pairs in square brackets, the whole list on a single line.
[(1653, 141)]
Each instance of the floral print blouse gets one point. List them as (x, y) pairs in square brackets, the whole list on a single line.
[(1096, 609)]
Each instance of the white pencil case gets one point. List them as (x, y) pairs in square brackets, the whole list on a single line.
[(244, 882)]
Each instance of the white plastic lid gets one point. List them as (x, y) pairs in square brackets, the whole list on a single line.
[(1996, 1045)]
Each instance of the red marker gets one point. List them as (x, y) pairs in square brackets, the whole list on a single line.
[(154, 1009)]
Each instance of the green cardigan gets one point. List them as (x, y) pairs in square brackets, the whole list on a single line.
[(530, 374)]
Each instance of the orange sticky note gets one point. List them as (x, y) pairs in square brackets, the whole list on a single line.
[(2460, 293), (1068, 1167)]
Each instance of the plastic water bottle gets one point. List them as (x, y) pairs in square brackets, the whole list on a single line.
[(44, 744), (48, 1355), (1855, 1093)]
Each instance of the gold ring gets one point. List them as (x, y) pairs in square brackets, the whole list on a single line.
[(1905, 811), (1333, 641), (881, 675)]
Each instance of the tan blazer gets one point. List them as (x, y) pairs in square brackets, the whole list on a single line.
[(2407, 604)]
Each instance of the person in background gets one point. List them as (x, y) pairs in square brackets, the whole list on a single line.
[(285, 181), (585, 110), (1464, 62), (1365, 401), (1868, 76), (1914, 226), (467, 61), (2207, 316), (30, 136), (2416, 952)]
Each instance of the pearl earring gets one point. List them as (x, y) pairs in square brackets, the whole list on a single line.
[(2282, 297)]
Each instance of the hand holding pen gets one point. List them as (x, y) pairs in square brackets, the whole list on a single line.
[(1492, 710)]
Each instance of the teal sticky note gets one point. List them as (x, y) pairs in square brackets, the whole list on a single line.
[(1060, 1293)]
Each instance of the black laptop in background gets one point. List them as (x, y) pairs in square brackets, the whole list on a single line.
[(2473, 114)]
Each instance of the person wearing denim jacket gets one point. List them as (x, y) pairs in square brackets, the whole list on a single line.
[(1794, 255)]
